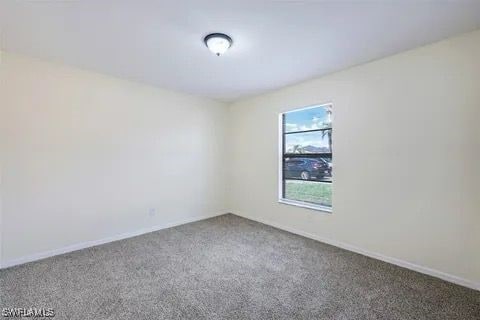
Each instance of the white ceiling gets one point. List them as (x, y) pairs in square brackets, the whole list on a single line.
[(276, 43)]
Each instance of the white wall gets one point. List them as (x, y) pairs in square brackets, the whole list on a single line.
[(86, 156), (2, 81), (406, 158)]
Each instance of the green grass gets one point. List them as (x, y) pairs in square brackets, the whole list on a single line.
[(309, 191)]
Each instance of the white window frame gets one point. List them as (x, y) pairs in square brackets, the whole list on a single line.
[(281, 199)]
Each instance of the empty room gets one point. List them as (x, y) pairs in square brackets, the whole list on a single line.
[(240, 159)]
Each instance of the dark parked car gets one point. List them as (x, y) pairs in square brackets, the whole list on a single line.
[(307, 168)]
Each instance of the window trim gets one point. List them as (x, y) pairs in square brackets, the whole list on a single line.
[(281, 146)]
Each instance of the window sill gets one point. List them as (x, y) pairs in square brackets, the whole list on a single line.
[(323, 209)]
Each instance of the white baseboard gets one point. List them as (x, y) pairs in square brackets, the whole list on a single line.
[(402, 263), (92, 243), (395, 261)]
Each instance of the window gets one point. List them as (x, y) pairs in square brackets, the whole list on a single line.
[(306, 157)]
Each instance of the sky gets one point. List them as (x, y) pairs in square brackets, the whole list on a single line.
[(305, 139), (307, 119)]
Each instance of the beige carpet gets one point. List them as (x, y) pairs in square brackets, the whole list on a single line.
[(229, 268)]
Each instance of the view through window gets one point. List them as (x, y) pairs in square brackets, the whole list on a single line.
[(307, 156)]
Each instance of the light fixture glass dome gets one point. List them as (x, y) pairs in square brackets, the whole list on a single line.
[(218, 43)]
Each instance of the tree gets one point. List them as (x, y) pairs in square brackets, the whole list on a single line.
[(297, 149), (328, 134), (328, 124)]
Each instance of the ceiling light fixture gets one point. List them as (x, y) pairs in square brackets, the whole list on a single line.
[(218, 43)]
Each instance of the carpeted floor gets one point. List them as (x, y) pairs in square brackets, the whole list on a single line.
[(229, 268)]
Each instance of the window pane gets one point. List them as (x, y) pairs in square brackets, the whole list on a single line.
[(308, 119), (309, 142), (309, 191), (307, 160), (308, 168)]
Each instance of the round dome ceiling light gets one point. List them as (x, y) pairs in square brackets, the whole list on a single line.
[(218, 43)]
